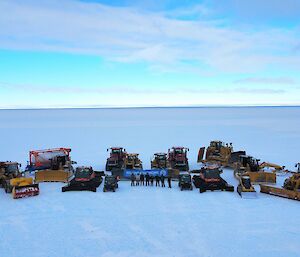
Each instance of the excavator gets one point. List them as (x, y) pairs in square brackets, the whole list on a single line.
[(290, 189), (219, 153), (12, 180), (250, 166)]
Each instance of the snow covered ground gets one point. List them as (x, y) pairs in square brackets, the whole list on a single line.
[(151, 221)]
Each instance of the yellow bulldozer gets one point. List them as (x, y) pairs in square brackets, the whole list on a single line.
[(245, 188), (290, 189), (132, 161), (219, 153), (249, 166), (12, 180)]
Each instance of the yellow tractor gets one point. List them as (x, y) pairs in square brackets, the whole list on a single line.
[(290, 189), (249, 166), (12, 181), (159, 161), (132, 161), (245, 188), (219, 153)]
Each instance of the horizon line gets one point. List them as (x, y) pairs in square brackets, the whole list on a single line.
[(146, 107)]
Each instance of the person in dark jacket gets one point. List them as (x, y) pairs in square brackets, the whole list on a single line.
[(162, 178), (151, 180), (132, 178), (142, 179), (147, 177), (157, 180), (169, 181)]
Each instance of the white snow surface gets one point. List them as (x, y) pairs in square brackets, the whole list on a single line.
[(149, 221)]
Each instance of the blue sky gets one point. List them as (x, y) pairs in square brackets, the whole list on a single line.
[(71, 53)]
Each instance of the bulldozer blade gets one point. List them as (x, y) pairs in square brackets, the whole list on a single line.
[(281, 192), (201, 154), (262, 177), (52, 176), (25, 191)]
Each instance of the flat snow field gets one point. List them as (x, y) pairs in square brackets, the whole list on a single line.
[(154, 221)]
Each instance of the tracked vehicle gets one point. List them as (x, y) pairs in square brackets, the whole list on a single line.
[(51, 165), (159, 161), (177, 158), (116, 158), (85, 179), (210, 179), (249, 166), (132, 161), (219, 153), (245, 188), (290, 189)]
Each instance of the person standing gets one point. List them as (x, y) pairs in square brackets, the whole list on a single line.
[(138, 178), (142, 179), (147, 177), (151, 180), (157, 180), (169, 181), (132, 178), (162, 178)]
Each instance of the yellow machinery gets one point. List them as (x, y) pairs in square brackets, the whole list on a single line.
[(290, 189), (159, 161), (23, 187), (12, 181), (245, 189), (132, 161), (51, 165), (53, 175), (249, 166), (220, 153)]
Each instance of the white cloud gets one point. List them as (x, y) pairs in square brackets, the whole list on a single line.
[(130, 35)]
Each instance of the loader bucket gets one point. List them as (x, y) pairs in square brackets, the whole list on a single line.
[(262, 177), (201, 154), (52, 176), (25, 191)]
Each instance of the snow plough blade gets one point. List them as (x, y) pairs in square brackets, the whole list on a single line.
[(24, 187), (52, 176), (262, 177), (281, 192)]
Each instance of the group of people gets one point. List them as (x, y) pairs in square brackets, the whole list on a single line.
[(148, 180)]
